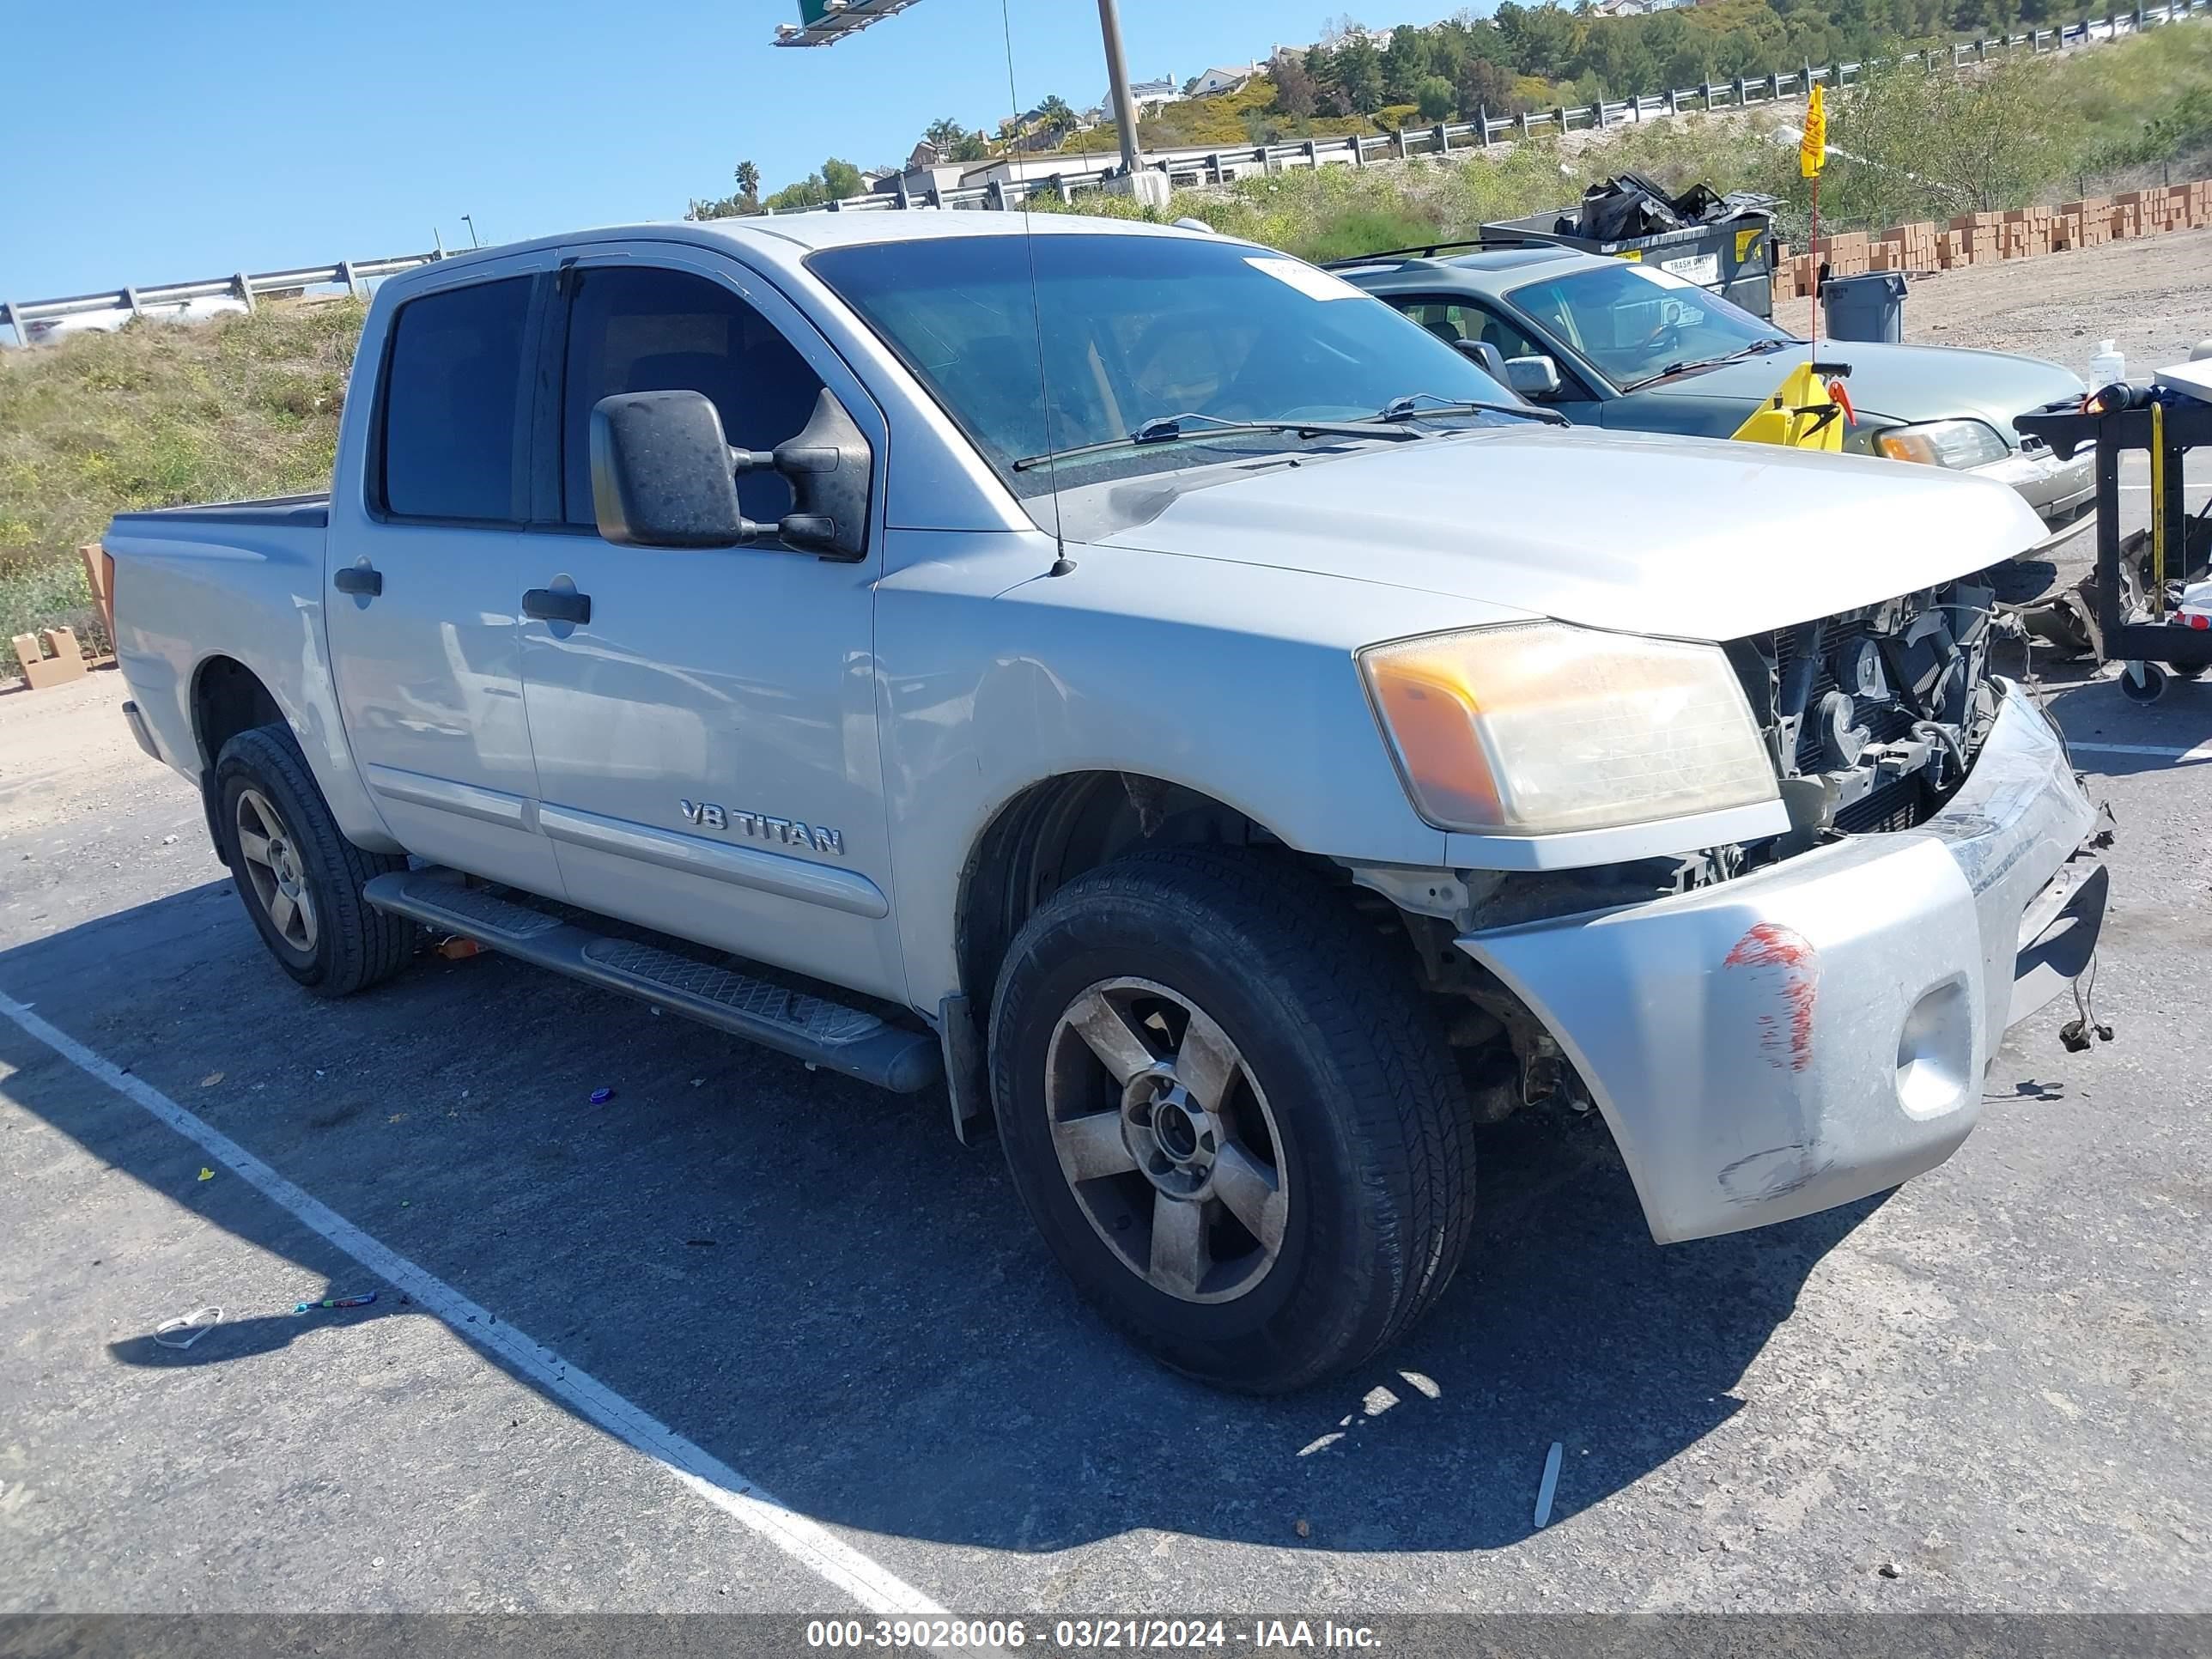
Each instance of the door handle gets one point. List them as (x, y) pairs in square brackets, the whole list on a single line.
[(546, 606), (364, 580)]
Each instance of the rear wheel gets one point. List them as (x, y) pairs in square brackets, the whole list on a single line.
[(300, 878), (1230, 1115)]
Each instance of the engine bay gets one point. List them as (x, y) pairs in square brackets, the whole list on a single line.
[(1873, 716)]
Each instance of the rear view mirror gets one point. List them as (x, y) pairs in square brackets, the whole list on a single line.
[(1533, 377), (1488, 358), (663, 475)]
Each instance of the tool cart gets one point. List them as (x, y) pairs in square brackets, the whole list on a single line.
[(2134, 616)]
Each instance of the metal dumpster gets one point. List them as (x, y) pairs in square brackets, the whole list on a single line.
[(1732, 256)]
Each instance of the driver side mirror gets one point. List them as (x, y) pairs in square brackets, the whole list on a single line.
[(663, 475), (1533, 377)]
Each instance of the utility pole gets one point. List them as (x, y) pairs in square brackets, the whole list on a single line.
[(1117, 72)]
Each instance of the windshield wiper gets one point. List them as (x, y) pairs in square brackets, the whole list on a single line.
[(1400, 410), (1757, 348), (1169, 428)]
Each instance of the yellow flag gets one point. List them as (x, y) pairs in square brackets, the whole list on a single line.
[(1815, 148)]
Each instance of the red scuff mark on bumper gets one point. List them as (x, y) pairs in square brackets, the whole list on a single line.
[(1786, 1037)]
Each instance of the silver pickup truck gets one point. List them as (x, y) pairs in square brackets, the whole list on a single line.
[(1161, 697)]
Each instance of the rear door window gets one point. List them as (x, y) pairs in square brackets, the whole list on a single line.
[(452, 427)]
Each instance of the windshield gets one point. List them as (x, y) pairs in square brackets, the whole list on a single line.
[(1633, 321), (1134, 329)]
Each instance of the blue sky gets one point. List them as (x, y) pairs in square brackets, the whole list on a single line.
[(158, 143)]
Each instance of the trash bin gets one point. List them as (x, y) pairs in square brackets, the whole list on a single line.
[(1869, 308)]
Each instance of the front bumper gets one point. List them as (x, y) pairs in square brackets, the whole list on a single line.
[(1818, 1031), (2063, 493)]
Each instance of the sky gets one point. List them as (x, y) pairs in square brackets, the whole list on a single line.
[(170, 143)]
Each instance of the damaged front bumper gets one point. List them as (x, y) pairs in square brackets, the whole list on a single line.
[(1818, 1031)]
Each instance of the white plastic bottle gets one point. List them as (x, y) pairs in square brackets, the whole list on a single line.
[(2109, 365)]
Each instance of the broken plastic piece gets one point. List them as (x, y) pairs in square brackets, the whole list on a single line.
[(458, 949), (601, 1096), (1549, 1484), (187, 1328)]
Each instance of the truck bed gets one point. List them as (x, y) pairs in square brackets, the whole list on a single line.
[(296, 511)]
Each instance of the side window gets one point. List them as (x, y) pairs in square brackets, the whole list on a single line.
[(452, 421), (640, 329), (1449, 320)]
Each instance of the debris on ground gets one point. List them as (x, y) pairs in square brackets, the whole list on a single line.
[(210, 1080), (1550, 1485), (187, 1328), (1303, 1527), (601, 1096), (206, 1173), (455, 948), (1889, 1569), (360, 1301)]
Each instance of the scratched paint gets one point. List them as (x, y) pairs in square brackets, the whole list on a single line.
[(1771, 950)]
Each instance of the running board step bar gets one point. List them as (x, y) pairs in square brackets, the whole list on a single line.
[(853, 1041)]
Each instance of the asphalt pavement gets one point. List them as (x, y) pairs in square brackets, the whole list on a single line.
[(605, 1334)]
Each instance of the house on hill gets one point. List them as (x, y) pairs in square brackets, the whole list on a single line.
[(1217, 82)]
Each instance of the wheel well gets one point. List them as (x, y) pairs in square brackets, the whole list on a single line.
[(1054, 830), (227, 699)]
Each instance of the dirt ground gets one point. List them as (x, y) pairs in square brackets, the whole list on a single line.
[(2149, 295)]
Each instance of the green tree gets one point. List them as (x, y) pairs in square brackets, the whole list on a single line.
[(748, 178), (841, 180), (1055, 113), (1408, 61), (1436, 99), (943, 134), (1359, 73)]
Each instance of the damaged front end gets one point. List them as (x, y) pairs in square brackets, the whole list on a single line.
[(1775, 1027)]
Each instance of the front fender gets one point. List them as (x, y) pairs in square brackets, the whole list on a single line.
[(1236, 681)]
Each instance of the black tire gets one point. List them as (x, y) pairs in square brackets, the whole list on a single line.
[(1369, 1128), (349, 946)]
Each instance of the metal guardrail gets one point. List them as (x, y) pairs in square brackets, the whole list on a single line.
[(1216, 165), (1213, 165), (353, 275)]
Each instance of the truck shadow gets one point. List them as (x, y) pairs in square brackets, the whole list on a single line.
[(814, 1283)]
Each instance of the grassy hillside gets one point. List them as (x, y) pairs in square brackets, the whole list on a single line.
[(155, 416)]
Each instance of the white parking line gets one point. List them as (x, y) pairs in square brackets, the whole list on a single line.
[(2201, 751), (805, 1541)]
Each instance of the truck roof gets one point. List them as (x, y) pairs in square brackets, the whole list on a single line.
[(791, 235)]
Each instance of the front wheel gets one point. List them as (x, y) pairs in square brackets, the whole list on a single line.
[(1232, 1116), (300, 878)]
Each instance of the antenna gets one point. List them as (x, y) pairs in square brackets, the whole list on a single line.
[(1061, 564)]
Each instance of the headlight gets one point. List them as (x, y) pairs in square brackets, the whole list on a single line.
[(1955, 444), (1536, 727)]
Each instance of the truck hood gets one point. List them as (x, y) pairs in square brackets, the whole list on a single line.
[(1892, 383), (1688, 538)]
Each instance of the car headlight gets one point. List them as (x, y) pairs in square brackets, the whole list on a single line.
[(1536, 727), (1958, 445)]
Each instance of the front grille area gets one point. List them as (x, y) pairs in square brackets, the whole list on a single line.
[(1927, 669), (1884, 721)]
